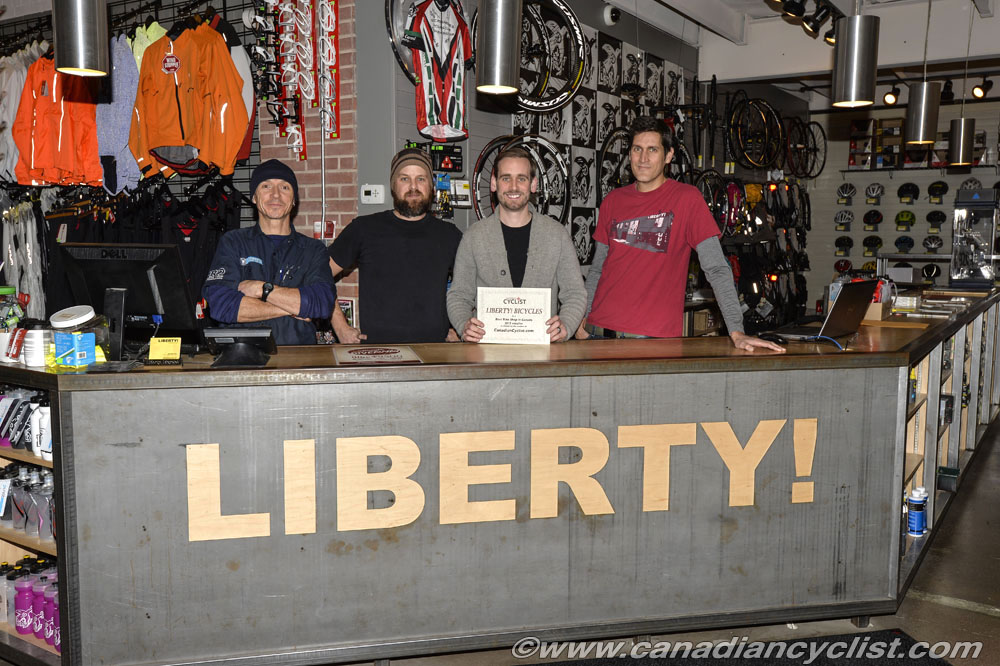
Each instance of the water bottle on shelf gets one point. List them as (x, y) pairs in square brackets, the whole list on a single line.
[(23, 620)]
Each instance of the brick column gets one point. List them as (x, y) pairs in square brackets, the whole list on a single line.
[(341, 153)]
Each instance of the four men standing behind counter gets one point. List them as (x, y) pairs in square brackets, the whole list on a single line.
[(405, 256)]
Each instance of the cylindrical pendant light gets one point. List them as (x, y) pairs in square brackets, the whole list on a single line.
[(960, 141), (963, 130), (498, 51), (855, 63), (80, 36), (925, 101), (922, 112)]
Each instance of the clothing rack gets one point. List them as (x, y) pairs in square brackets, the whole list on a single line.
[(122, 20)]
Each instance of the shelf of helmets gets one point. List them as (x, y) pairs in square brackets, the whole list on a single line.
[(939, 441)]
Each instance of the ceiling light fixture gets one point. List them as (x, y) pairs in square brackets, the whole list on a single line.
[(498, 51), (891, 97), (963, 130), (855, 62), (924, 102), (979, 91), (819, 17), (796, 8), (80, 36), (830, 37)]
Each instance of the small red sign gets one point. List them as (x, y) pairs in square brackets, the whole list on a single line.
[(170, 63)]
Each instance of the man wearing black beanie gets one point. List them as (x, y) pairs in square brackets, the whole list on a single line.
[(270, 274)]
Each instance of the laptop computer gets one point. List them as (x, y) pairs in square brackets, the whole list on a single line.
[(844, 317)]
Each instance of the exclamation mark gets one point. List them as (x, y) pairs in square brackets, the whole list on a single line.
[(804, 440)]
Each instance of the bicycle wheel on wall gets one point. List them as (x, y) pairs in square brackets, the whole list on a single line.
[(613, 167)]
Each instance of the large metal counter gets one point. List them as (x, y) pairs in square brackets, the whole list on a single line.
[(309, 513)]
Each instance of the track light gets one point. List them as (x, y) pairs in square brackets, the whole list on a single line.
[(980, 91), (891, 97), (796, 8), (819, 17), (947, 94), (830, 37)]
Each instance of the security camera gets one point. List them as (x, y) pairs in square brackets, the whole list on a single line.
[(611, 15)]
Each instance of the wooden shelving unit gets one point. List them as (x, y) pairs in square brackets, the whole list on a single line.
[(34, 544), (27, 638), (24, 456)]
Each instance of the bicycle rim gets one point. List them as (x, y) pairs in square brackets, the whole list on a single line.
[(574, 48), (817, 147), (553, 197), (483, 200)]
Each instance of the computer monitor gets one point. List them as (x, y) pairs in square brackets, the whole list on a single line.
[(241, 347), (136, 286)]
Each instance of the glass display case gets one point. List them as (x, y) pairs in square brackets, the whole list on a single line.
[(973, 252)]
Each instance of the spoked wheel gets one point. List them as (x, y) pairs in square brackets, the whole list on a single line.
[(614, 168), (397, 18), (713, 189), (553, 195), (557, 67), (817, 149)]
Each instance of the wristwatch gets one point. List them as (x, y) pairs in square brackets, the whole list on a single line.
[(265, 291)]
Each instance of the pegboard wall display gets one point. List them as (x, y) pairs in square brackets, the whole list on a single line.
[(620, 82), (858, 214)]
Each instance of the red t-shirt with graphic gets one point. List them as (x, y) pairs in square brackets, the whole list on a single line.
[(649, 236)]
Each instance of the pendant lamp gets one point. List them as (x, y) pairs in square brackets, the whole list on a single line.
[(924, 103), (498, 50), (963, 130), (855, 63), (80, 37)]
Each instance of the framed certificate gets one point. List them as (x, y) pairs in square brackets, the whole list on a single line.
[(514, 316)]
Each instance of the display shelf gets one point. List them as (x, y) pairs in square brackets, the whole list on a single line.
[(945, 376), (927, 168), (27, 638), (23, 456), (34, 544), (910, 466), (915, 407), (913, 552), (980, 431), (942, 498)]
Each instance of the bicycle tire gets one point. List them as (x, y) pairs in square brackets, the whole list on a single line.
[(712, 187), (576, 55), (614, 169), (554, 195), (483, 199), (819, 146)]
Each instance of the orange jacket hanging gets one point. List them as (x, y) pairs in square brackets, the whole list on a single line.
[(189, 103), (56, 129)]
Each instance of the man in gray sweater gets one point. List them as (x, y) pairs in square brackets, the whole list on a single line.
[(516, 247)]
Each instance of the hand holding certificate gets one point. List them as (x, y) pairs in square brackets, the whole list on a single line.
[(514, 316)]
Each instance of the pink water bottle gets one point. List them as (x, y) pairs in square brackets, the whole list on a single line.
[(23, 620), (38, 606), (50, 603), (56, 639)]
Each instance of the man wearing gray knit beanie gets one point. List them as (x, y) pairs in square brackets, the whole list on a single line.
[(404, 257)]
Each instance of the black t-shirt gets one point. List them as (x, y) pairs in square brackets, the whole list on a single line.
[(515, 239), (403, 275)]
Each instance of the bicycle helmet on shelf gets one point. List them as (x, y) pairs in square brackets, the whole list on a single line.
[(902, 264), (873, 218), (869, 266), (930, 271), (971, 184), (937, 189), (908, 190), (905, 218), (874, 190), (904, 243), (843, 217), (844, 243), (933, 243), (936, 218), (872, 243), (842, 266), (846, 190)]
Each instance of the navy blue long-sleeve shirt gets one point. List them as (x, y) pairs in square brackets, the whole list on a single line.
[(292, 261)]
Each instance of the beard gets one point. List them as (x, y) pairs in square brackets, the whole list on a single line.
[(411, 208), (512, 207)]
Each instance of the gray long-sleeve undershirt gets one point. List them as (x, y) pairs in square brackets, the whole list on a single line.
[(713, 264)]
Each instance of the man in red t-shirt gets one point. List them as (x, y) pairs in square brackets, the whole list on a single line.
[(645, 234)]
